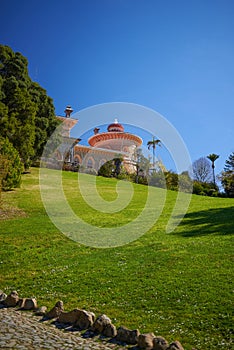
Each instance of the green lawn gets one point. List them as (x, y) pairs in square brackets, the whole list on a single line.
[(178, 285)]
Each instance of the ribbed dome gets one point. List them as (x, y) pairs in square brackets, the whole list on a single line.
[(115, 127)]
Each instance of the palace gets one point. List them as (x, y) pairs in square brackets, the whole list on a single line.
[(103, 146)]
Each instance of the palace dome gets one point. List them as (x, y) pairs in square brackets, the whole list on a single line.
[(115, 138), (115, 127)]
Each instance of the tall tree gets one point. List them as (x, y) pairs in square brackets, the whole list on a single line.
[(10, 165), (202, 170), (227, 176), (117, 163), (142, 163), (45, 121), (229, 163), (3, 107), (27, 115), (19, 126), (153, 143), (213, 157)]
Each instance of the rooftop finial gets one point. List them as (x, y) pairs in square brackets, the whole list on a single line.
[(96, 131), (68, 111), (116, 121)]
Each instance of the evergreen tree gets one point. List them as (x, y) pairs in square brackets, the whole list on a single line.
[(185, 182), (26, 112), (117, 165), (19, 126), (229, 164), (10, 166), (227, 176), (45, 121), (107, 169), (158, 179), (142, 164)]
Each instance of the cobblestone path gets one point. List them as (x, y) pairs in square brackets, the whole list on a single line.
[(23, 330)]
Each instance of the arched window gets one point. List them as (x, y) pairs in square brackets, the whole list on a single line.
[(77, 159), (90, 163)]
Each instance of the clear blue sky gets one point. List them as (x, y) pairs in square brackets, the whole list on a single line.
[(174, 56)]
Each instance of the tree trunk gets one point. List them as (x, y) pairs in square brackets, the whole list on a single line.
[(213, 174)]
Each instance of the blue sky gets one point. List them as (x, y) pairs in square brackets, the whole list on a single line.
[(173, 56)]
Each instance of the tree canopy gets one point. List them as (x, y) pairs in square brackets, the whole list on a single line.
[(213, 157), (153, 143), (229, 164), (202, 170), (227, 176), (10, 166), (27, 116)]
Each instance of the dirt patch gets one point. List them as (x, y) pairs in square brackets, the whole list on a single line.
[(7, 213)]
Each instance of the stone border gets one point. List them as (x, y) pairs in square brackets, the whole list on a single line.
[(82, 320)]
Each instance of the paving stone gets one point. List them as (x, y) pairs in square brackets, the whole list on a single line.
[(23, 331)]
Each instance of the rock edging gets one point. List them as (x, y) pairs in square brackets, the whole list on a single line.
[(83, 320)]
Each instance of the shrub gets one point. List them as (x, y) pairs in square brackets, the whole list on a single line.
[(157, 179), (205, 189), (107, 169), (90, 171), (10, 165), (227, 180)]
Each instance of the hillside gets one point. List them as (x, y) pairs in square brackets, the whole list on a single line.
[(177, 285)]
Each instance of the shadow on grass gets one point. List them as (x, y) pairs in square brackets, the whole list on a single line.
[(218, 221)]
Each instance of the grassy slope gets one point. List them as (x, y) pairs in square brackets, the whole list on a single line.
[(177, 285)]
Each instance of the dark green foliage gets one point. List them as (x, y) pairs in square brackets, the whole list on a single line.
[(111, 168), (117, 166), (107, 169), (229, 164), (3, 107), (228, 184), (205, 189), (19, 126), (227, 176), (157, 179), (140, 179), (171, 180), (213, 157), (10, 165), (203, 172), (3, 172), (18, 112), (26, 112), (45, 121), (142, 163), (185, 182), (13, 64)]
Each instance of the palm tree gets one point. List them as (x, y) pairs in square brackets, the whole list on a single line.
[(212, 157), (153, 143)]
